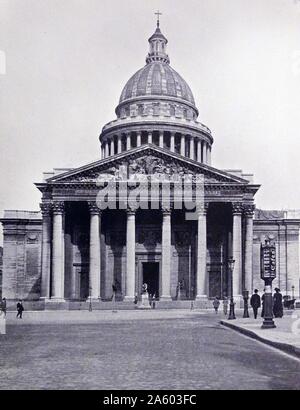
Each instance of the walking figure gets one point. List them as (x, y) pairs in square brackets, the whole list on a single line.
[(277, 303), (3, 306), (225, 305), (255, 302), (20, 309), (216, 304)]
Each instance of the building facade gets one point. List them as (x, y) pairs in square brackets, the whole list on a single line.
[(152, 210)]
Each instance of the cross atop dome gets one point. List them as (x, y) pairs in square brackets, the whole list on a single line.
[(158, 13)]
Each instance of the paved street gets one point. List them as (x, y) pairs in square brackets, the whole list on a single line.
[(190, 351)]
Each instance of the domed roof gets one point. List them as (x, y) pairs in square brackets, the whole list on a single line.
[(157, 78)]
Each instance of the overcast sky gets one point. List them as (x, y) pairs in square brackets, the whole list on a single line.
[(68, 60)]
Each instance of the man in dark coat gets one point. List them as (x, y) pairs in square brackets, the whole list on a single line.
[(255, 302), (3, 306), (20, 309), (277, 303)]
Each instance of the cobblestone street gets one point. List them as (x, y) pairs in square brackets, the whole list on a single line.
[(191, 352)]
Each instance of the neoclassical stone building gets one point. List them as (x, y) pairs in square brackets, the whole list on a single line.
[(156, 151)]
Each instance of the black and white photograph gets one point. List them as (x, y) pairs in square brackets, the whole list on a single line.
[(149, 198)]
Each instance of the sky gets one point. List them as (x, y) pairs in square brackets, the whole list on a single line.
[(63, 64)]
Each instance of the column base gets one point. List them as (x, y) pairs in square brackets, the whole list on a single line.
[(165, 299), (128, 298), (201, 297), (55, 300), (268, 323), (92, 299)]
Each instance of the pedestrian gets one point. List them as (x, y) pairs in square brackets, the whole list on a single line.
[(255, 302), (3, 306), (225, 305), (20, 309), (135, 299), (277, 303), (153, 301), (216, 304)]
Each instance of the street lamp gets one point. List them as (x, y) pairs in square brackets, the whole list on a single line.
[(231, 263), (246, 297), (90, 294)]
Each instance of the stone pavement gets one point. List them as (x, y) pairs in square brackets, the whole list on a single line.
[(96, 316), (286, 335), (137, 350)]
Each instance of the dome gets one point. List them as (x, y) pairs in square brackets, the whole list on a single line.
[(157, 78)]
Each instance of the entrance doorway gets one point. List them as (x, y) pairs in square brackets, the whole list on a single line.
[(151, 277)]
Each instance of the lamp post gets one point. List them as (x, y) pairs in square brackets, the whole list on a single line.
[(246, 297), (268, 273), (90, 304), (231, 263)]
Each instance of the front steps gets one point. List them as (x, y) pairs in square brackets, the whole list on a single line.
[(106, 305)]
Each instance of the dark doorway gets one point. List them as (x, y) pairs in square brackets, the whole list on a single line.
[(151, 277)]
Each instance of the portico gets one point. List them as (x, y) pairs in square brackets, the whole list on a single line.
[(106, 247)]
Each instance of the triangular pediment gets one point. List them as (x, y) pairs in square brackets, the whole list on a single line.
[(147, 160)]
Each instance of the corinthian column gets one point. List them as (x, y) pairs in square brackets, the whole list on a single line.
[(237, 248), (130, 255), (58, 252), (112, 147), (106, 149), (119, 143), (204, 159), (248, 212), (166, 256), (172, 141), (95, 251), (201, 252), (182, 145), (192, 148), (46, 250), (161, 139), (199, 151), (138, 139), (128, 141)]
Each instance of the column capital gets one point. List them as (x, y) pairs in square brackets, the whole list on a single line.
[(237, 208), (93, 207), (249, 210), (58, 207), (166, 209), (202, 208), (46, 208), (131, 209)]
